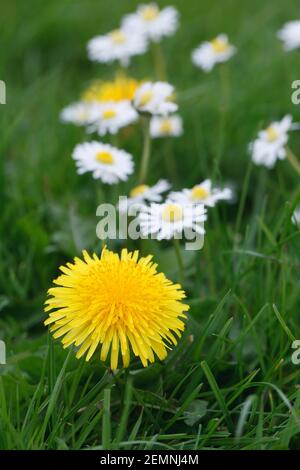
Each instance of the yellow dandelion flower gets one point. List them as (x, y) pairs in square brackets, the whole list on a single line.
[(122, 88), (117, 303)]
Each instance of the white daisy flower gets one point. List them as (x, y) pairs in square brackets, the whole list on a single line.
[(290, 35), (104, 161), (213, 52), (172, 220), (202, 193), (152, 22), (166, 126), (142, 194), (77, 113), (270, 143), (296, 217), (119, 44), (110, 116), (155, 98)]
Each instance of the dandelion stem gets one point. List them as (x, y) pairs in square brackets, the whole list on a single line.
[(146, 151), (179, 260), (106, 423), (293, 160)]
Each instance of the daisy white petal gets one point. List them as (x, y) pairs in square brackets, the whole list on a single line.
[(110, 116), (152, 22), (202, 193), (119, 44), (290, 35), (77, 113), (166, 126), (270, 143), (104, 161), (210, 53), (170, 220), (142, 194), (155, 98)]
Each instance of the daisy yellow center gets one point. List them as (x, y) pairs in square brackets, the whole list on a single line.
[(122, 88), (105, 157), (166, 126), (146, 97), (150, 12), (109, 114), (172, 213), (219, 45), (118, 305), (139, 190), (199, 192), (272, 134), (118, 37)]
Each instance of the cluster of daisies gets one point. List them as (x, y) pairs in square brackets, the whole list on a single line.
[(119, 304), (111, 106), (180, 210), (271, 143), (107, 107)]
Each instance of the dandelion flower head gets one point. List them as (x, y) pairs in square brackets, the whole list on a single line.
[(117, 305)]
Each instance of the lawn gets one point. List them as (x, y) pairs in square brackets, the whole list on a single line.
[(230, 382)]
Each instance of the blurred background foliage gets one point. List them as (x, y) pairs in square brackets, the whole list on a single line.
[(251, 256)]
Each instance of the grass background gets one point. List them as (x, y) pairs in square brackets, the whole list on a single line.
[(234, 386)]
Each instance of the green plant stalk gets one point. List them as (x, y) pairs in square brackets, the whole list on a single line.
[(146, 151), (224, 104), (293, 160), (159, 62), (106, 424), (179, 260), (122, 428), (170, 163), (225, 86)]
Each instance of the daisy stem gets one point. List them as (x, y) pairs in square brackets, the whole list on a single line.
[(224, 102), (146, 151), (159, 62), (100, 197), (170, 162), (225, 86), (293, 160), (179, 259)]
